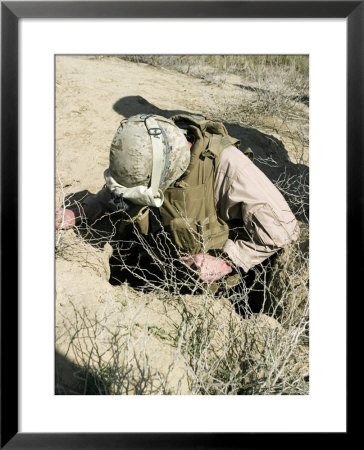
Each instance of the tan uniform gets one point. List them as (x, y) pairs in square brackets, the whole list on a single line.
[(245, 195), (243, 192)]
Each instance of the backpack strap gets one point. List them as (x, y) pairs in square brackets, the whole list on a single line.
[(215, 132), (228, 140), (214, 146), (217, 144)]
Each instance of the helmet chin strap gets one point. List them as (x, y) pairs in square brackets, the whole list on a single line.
[(143, 195), (156, 138)]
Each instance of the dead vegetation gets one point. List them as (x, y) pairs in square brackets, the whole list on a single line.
[(132, 319)]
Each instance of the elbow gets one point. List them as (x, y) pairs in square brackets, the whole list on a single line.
[(273, 230)]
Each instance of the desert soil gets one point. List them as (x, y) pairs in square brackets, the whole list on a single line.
[(99, 324)]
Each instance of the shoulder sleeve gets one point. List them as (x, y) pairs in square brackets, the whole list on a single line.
[(245, 195)]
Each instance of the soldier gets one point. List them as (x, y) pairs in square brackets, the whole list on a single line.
[(185, 175)]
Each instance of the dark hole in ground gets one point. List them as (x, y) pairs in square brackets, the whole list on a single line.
[(131, 262), (139, 270)]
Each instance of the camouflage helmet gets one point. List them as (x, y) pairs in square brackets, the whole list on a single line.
[(134, 148)]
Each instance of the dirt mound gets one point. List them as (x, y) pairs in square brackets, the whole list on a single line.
[(112, 339), (115, 340)]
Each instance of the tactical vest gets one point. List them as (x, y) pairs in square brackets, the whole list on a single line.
[(188, 212)]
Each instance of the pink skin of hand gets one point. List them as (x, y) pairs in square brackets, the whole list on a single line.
[(65, 219), (209, 267)]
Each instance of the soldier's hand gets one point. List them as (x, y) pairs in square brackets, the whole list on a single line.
[(65, 219), (209, 267)]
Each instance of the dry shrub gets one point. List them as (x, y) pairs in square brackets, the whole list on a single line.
[(213, 338), (272, 91), (156, 328)]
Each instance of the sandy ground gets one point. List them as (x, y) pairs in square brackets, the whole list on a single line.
[(94, 95), (93, 318)]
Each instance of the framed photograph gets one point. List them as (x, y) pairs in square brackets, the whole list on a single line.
[(137, 365)]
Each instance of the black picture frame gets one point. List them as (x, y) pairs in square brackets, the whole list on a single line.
[(11, 12)]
